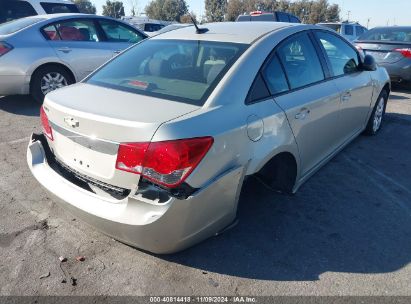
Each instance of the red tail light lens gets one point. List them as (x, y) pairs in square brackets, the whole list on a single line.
[(5, 48), (167, 163), (405, 52), (45, 123)]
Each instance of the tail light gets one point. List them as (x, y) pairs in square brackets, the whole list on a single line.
[(46, 124), (5, 48), (405, 52), (256, 13), (167, 163)]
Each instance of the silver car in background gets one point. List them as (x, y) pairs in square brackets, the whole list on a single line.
[(153, 147), (42, 53)]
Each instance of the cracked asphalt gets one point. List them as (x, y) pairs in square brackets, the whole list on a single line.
[(346, 232)]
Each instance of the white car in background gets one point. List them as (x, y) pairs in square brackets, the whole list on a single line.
[(16, 9), (349, 30)]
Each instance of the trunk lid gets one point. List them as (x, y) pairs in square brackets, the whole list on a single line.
[(89, 122), (383, 52)]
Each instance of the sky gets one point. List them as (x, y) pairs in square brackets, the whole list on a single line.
[(379, 12)]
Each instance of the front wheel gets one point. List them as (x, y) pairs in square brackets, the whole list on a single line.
[(47, 79), (376, 119)]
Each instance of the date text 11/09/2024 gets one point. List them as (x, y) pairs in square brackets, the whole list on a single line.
[(203, 299)]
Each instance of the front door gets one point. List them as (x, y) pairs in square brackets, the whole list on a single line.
[(355, 85)]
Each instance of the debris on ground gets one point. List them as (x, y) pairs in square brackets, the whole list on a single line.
[(80, 258), (46, 275), (73, 281), (64, 281), (63, 259)]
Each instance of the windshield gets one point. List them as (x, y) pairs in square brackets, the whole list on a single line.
[(16, 25), (335, 27), (396, 34), (180, 70)]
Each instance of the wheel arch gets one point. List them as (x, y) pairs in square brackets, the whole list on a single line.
[(65, 67), (285, 161)]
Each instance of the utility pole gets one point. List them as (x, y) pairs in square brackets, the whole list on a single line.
[(348, 16), (368, 23)]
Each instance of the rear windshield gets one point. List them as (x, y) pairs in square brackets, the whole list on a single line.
[(335, 27), (16, 25), (395, 34), (10, 10), (179, 70), (59, 8)]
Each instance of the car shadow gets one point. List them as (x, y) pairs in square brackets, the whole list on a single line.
[(20, 105), (353, 216)]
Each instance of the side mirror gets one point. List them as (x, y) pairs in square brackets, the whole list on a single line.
[(369, 63)]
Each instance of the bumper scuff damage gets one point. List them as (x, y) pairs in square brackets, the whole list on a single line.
[(171, 226)]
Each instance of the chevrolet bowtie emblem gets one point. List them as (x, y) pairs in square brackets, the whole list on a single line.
[(70, 121)]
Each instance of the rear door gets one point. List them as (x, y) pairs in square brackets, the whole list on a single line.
[(118, 36), (77, 42), (311, 104), (354, 84)]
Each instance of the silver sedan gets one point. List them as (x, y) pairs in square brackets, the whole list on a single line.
[(42, 53), (153, 147)]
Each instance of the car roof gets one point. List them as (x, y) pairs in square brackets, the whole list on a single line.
[(234, 32)]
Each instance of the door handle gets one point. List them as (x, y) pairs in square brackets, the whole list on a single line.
[(302, 114), (346, 97), (65, 49)]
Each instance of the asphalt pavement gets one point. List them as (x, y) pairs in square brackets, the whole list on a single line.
[(346, 232)]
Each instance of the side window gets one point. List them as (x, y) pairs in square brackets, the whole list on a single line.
[(117, 32), (294, 19), (342, 57), (78, 30), (12, 10), (360, 30), (349, 30), (274, 76), (282, 17), (58, 8), (300, 61), (51, 32), (258, 91)]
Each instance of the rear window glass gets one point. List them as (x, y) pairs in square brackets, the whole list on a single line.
[(180, 70), (152, 27), (396, 34), (282, 17), (349, 30), (59, 8), (335, 27), (17, 25), (11, 10)]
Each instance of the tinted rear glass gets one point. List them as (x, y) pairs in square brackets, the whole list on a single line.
[(396, 34), (58, 8), (10, 10), (180, 70), (335, 27), (16, 25)]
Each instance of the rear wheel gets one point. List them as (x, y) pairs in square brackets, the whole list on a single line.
[(375, 122), (47, 79)]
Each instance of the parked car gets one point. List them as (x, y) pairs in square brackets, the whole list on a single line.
[(146, 24), (349, 30), (391, 48), (15, 9), (42, 53), (168, 28), (153, 147), (269, 16)]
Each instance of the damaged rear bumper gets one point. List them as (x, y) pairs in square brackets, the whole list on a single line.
[(159, 228)]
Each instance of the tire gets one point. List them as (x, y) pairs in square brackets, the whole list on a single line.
[(47, 79), (377, 116)]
